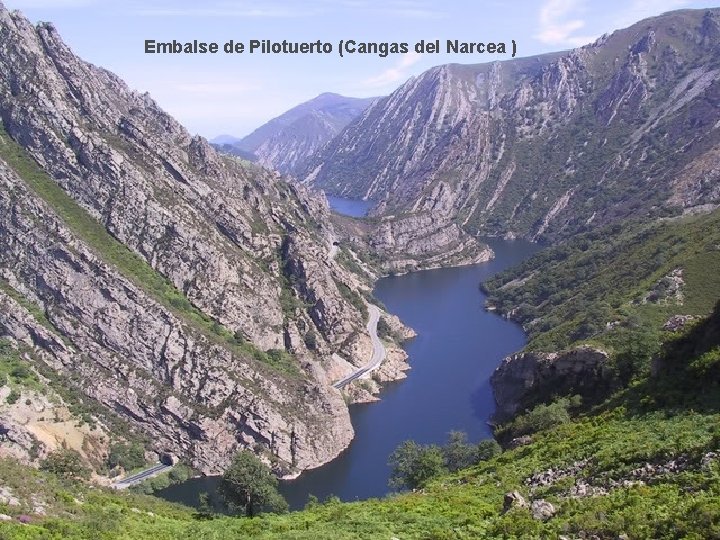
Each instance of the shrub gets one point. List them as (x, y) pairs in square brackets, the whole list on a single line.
[(66, 463), (127, 456), (13, 397)]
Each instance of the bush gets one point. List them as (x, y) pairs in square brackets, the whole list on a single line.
[(540, 418), (127, 456), (488, 449), (458, 453), (13, 397), (66, 463)]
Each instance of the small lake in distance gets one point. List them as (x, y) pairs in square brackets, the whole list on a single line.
[(349, 207)]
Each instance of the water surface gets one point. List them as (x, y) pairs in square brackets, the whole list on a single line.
[(349, 207), (458, 346)]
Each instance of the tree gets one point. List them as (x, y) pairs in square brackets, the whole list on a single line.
[(205, 509), (250, 487), (127, 456), (66, 463), (458, 454), (414, 465), (488, 449)]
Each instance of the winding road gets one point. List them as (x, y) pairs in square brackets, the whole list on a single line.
[(378, 354)]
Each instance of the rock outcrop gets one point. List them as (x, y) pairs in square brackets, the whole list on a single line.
[(527, 374)]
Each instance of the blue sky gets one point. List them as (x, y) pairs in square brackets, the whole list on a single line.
[(213, 94)]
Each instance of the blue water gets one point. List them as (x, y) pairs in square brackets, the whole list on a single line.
[(349, 207), (458, 346)]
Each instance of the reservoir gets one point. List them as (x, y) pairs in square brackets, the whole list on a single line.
[(459, 344), (349, 207)]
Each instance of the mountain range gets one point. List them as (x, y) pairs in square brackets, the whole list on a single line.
[(287, 141), (193, 297), (547, 146)]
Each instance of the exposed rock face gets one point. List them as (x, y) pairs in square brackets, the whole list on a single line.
[(677, 322), (512, 500), (422, 241), (524, 374), (547, 146), (16, 441), (286, 143), (668, 290), (138, 358), (542, 510), (250, 251)]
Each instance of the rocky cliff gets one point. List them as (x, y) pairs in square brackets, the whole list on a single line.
[(286, 143), (547, 146), (195, 295), (525, 376)]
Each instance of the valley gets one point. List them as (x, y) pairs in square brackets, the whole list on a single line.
[(484, 305)]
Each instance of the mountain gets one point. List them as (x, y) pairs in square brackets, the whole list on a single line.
[(225, 139), (547, 146), (232, 150), (191, 296), (286, 142)]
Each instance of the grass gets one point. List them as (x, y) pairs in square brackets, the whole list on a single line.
[(128, 263), (15, 371)]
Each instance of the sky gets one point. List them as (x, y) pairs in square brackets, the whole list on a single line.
[(236, 93)]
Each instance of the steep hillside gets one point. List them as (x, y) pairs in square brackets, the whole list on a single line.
[(547, 146), (644, 464), (285, 143), (592, 286), (196, 296), (599, 307)]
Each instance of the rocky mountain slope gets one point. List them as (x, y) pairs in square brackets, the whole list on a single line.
[(192, 294), (285, 143), (546, 146), (644, 464)]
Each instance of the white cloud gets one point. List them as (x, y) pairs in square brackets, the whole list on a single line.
[(558, 24), (394, 74)]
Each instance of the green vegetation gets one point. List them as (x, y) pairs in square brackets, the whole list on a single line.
[(129, 456), (249, 487), (354, 298), (591, 288), (541, 417), (644, 444), (66, 463), (619, 437), (128, 263), (671, 417), (414, 465), (177, 475), (16, 372)]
